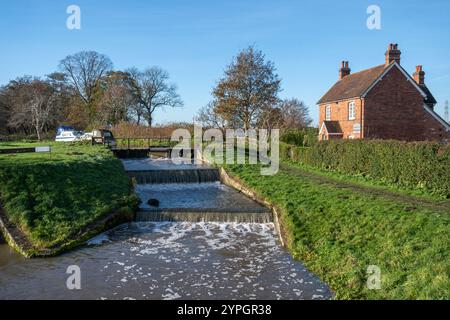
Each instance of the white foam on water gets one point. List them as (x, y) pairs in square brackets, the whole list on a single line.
[(205, 258), (170, 295)]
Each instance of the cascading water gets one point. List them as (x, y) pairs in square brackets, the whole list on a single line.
[(189, 192), (204, 216), (175, 176), (196, 202)]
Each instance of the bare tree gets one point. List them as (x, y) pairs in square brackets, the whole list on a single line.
[(153, 91), (249, 87), (33, 104), (271, 119), (115, 98), (13, 99), (64, 97), (209, 118), (41, 105), (82, 71), (295, 114), (4, 109)]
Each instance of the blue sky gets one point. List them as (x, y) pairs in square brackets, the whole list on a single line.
[(195, 40)]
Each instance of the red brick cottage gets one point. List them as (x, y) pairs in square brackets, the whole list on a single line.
[(383, 102)]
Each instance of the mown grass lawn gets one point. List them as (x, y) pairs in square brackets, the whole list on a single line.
[(51, 197), (338, 232)]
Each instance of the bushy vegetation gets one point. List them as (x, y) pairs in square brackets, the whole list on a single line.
[(338, 231), (51, 197), (423, 166), (300, 137)]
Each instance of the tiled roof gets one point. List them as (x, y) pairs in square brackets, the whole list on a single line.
[(429, 100), (352, 85)]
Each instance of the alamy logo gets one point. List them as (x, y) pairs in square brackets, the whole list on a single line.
[(374, 20), (373, 277), (241, 147), (74, 20), (74, 280)]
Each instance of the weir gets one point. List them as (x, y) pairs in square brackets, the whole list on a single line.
[(205, 215), (175, 176), (189, 193)]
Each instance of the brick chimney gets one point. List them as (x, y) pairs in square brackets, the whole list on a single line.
[(419, 75), (344, 70), (392, 54)]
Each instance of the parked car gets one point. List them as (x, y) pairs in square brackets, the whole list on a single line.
[(103, 136), (67, 134)]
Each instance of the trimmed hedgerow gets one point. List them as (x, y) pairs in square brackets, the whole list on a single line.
[(300, 137), (423, 166)]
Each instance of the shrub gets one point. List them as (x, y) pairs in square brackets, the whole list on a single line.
[(300, 137), (421, 166)]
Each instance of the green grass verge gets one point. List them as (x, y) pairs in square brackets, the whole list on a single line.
[(53, 197), (365, 181), (338, 232)]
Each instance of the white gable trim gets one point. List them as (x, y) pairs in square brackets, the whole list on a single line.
[(437, 117), (322, 127), (408, 77), (330, 134)]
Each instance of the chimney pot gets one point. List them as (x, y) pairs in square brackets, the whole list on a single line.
[(419, 75), (344, 70), (392, 54)]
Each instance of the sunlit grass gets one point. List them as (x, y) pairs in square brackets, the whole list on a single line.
[(51, 196), (339, 232)]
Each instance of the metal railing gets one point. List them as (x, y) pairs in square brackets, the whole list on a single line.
[(143, 143)]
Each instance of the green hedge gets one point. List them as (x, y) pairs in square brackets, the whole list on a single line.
[(300, 137), (421, 166)]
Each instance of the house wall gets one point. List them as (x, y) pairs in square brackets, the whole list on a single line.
[(339, 112), (393, 109)]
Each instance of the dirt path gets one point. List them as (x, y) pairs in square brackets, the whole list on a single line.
[(409, 200)]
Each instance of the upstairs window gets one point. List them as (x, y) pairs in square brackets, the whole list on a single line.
[(327, 113), (351, 111)]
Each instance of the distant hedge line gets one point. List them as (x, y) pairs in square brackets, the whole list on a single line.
[(411, 165)]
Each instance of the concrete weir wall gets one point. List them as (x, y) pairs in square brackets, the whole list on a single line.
[(226, 179), (6, 235), (175, 176), (193, 215)]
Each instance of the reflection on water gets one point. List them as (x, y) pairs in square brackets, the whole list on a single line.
[(167, 261)]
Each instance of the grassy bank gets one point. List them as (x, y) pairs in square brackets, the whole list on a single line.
[(54, 198), (338, 229)]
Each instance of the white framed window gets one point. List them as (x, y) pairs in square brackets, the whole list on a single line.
[(327, 113), (351, 111)]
